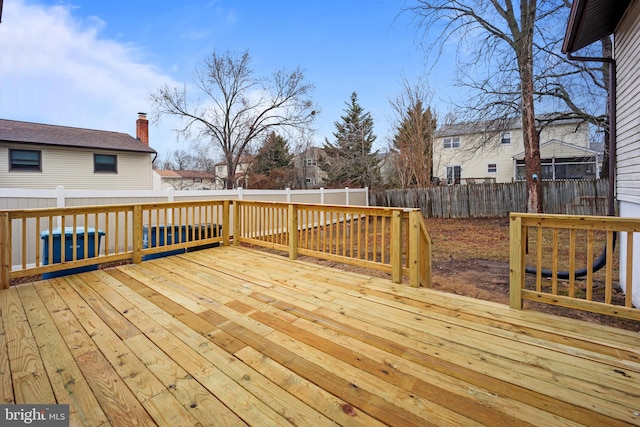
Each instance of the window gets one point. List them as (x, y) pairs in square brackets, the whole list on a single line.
[(506, 138), (105, 163), (308, 181), (453, 142), (454, 174), (492, 168), (311, 162), (25, 160)]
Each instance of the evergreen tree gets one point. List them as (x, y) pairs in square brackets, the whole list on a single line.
[(349, 161), (272, 167)]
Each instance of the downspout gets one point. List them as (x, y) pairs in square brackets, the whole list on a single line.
[(611, 208)]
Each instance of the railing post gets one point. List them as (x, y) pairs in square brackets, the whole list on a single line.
[(415, 256), (226, 221), (396, 247), (5, 250), (137, 234), (293, 231), (237, 222), (516, 262)]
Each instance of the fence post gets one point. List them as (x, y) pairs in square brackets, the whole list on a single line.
[(293, 231), (239, 191), (288, 190), (346, 196), (366, 196), (322, 195), (516, 262), (396, 247), (5, 250), (60, 203), (137, 234)]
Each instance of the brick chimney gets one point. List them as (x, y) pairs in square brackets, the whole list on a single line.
[(142, 128)]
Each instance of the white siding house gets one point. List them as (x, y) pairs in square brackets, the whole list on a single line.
[(40, 156), (591, 20), (472, 151)]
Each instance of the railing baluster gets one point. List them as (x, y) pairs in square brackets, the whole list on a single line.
[(589, 291), (609, 269)]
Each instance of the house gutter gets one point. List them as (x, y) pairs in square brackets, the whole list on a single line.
[(611, 209)]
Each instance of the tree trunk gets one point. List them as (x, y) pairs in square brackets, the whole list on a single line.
[(530, 135)]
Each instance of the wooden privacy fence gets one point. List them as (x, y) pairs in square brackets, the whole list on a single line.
[(561, 245), (571, 197), (48, 241)]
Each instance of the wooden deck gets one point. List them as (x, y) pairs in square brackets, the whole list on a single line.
[(232, 336)]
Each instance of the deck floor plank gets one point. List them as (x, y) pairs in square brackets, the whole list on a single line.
[(535, 373), (237, 336), (28, 375), (67, 381)]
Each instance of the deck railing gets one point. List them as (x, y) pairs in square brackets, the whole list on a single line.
[(46, 241), (387, 239), (552, 261)]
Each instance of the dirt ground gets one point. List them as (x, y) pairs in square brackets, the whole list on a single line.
[(471, 258)]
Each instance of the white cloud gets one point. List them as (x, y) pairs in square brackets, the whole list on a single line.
[(57, 69)]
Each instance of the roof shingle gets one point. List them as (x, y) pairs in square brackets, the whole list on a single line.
[(37, 133)]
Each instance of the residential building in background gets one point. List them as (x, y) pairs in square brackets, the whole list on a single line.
[(241, 177), (307, 166), (41, 156), (485, 152), (183, 180)]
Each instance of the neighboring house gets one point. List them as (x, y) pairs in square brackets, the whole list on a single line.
[(589, 22), (41, 156), (183, 180), (241, 178), (485, 152), (307, 166)]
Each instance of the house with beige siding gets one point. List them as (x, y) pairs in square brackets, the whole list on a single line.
[(42, 156), (494, 152), (589, 22)]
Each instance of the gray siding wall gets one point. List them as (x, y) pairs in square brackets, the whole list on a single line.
[(627, 52)]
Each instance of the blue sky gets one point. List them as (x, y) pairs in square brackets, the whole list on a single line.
[(94, 63)]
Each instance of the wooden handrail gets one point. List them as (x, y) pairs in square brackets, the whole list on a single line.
[(568, 242), (387, 239)]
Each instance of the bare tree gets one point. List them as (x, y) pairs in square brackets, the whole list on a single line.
[(509, 36), (412, 145), (183, 160), (239, 107), (510, 61)]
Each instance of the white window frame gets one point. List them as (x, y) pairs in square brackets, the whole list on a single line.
[(451, 142), (492, 168), (506, 138)]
